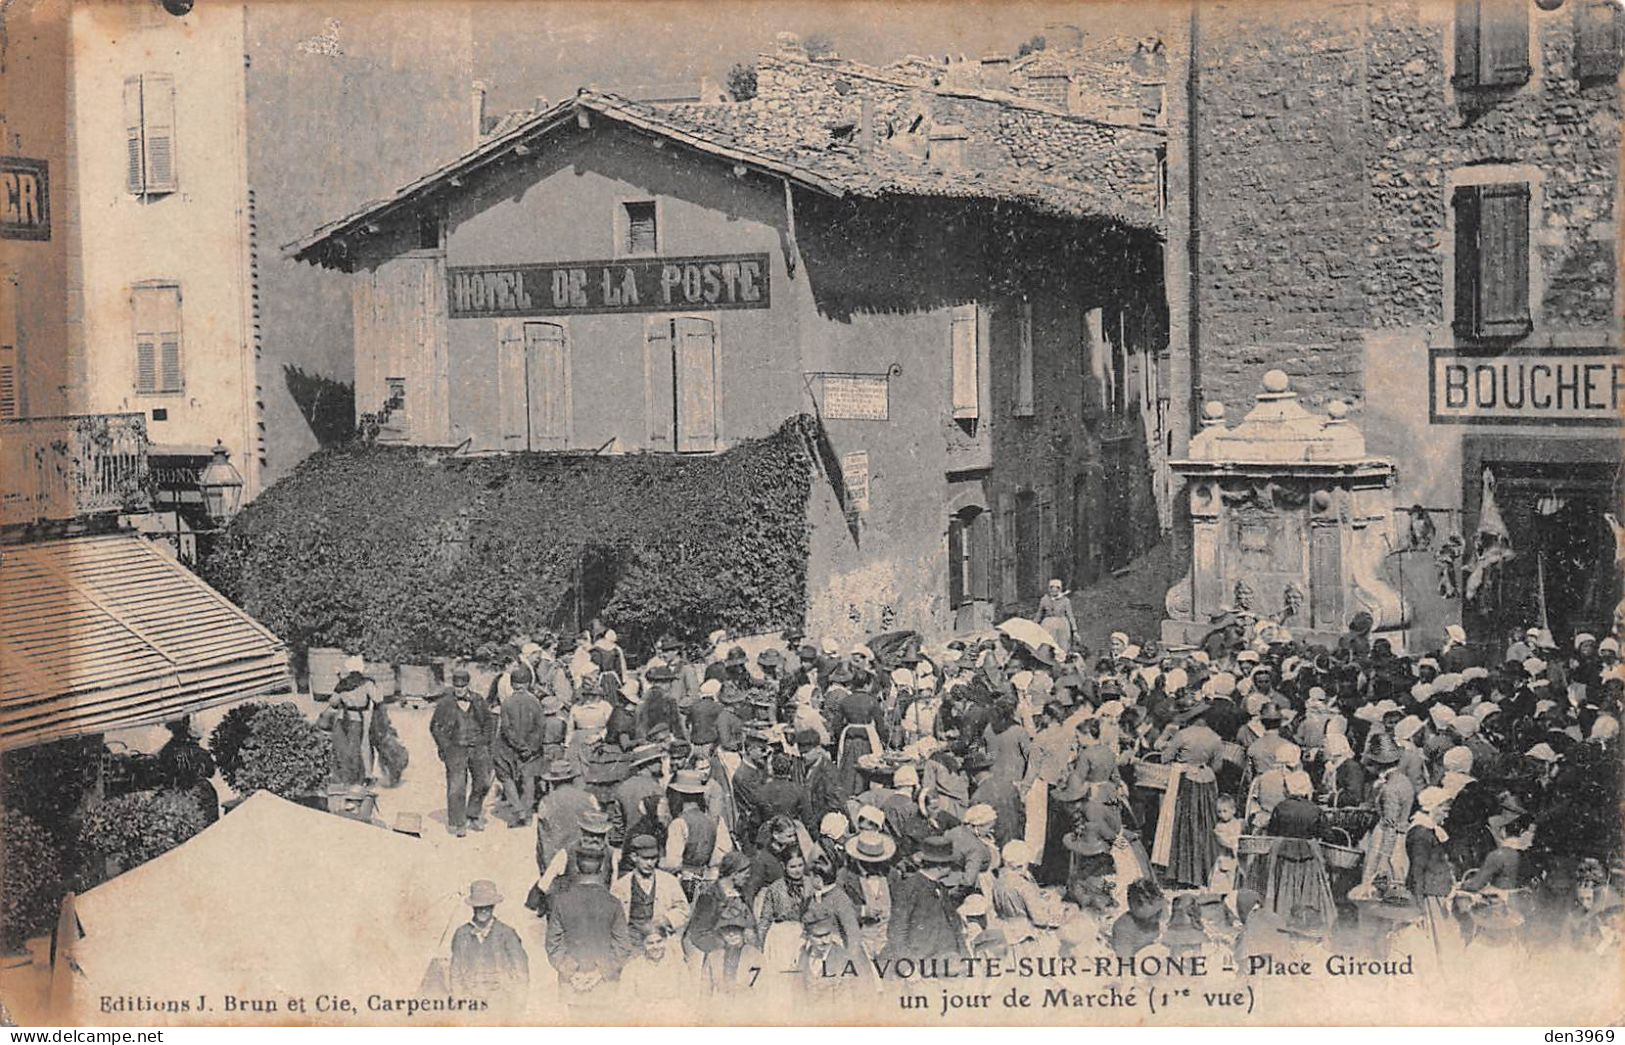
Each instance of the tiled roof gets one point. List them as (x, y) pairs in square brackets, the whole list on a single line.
[(107, 632), (804, 154)]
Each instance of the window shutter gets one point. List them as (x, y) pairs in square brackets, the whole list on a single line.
[(158, 130), (1597, 43), (1048, 546), (1465, 201), (1024, 360), (640, 228), (956, 562), (169, 362), (967, 383), (1504, 42), (1007, 548), (146, 363), (696, 384), (548, 380), (135, 154), (1466, 72), (981, 556), (10, 404), (512, 392), (1503, 250), (660, 383)]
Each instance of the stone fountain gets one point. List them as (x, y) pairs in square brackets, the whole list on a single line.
[(1290, 521)]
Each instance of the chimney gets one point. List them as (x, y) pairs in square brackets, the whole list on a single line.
[(996, 72), (541, 103), (477, 99), (1062, 37), (789, 45)]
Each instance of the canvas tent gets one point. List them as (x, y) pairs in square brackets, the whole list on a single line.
[(273, 900)]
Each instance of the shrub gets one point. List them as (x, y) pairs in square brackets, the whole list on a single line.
[(226, 742), (131, 829), (48, 781), (32, 881), (401, 554), (284, 753)]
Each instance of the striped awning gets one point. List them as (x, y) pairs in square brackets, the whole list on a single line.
[(108, 632)]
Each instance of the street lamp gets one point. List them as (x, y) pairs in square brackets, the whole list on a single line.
[(221, 485)]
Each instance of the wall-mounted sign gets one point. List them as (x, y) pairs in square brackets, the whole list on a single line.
[(25, 199), (707, 284), (1552, 387), (855, 471), (856, 397)]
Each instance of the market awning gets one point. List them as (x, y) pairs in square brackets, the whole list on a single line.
[(108, 632)]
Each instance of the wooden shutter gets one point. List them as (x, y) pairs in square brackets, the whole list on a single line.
[(547, 370), (1504, 41), (512, 392), (135, 151), (1597, 43), (956, 562), (967, 393), (146, 363), (158, 131), (641, 230), (10, 399), (1465, 202), (1503, 250), (1467, 52), (696, 384), (1007, 548), (659, 383), (1048, 546), (169, 361), (1024, 360)]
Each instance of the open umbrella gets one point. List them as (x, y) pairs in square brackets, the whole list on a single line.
[(1029, 633), (895, 649)]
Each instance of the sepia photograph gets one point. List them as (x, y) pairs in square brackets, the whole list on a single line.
[(917, 513)]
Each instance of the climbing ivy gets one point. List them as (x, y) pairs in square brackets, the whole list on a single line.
[(404, 554)]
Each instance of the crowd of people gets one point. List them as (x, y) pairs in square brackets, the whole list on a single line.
[(711, 817)]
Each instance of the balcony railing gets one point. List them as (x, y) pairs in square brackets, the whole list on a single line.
[(59, 469)]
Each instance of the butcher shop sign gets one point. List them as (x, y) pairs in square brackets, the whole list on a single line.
[(25, 199), (1552, 387), (567, 288)]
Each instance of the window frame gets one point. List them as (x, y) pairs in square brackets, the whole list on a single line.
[(1465, 318), (1025, 399), (139, 133), (963, 410), (159, 388), (1469, 69), (623, 227)]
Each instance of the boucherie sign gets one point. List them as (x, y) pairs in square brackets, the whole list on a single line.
[(1552, 387), (594, 287)]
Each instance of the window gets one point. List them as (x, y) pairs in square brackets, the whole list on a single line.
[(157, 308), (640, 227), (1024, 360), (1598, 42), (1492, 43), (1492, 260), (428, 231), (149, 134), (967, 385), (1029, 546), (682, 392)]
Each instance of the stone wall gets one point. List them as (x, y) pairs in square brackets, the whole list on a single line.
[(1328, 140)]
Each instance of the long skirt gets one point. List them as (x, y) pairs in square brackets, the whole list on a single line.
[(781, 948), (854, 742), (1195, 848), (1298, 881), (349, 756), (1055, 863), (1061, 629)]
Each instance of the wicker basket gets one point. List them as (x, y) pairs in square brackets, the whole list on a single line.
[(1342, 857), (1254, 845), (1153, 775)]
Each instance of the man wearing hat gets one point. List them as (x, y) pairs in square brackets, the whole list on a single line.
[(587, 939), (558, 820), (821, 782), (975, 851), (1394, 795), (517, 755), (653, 898), (703, 715), (925, 918), (462, 728), (697, 839), (488, 960)]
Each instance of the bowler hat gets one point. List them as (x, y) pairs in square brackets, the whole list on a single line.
[(661, 673), (687, 782), (808, 738), (645, 845), (771, 655), (1384, 751), (460, 677), (593, 822), (483, 893), (937, 850), (643, 754)]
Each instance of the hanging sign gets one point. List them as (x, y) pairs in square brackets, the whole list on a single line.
[(709, 283), (1553, 387)]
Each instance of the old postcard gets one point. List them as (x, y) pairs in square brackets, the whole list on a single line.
[(940, 513)]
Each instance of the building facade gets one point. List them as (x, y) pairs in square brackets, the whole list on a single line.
[(201, 139), (1413, 207), (617, 277)]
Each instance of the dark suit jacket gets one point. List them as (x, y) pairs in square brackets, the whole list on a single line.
[(1430, 866), (451, 726), (924, 920), (587, 930)]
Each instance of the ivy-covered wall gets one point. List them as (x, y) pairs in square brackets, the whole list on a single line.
[(404, 554)]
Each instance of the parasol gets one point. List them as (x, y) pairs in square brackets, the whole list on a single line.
[(1029, 633)]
